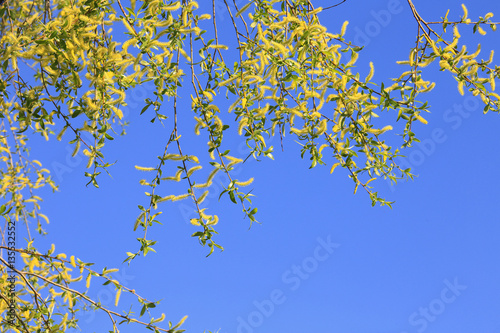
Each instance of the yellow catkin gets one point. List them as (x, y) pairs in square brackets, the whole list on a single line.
[(87, 281), (370, 74), (422, 120), (344, 27), (233, 159), (117, 297), (461, 87), (466, 12), (144, 168), (475, 54), (322, 127), (299, 131), (452, 45), (128, 26), (219, 46), (176, 178), (315, 11), (180, 197), (202, 197)]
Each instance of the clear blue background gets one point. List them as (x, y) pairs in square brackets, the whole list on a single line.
[(390, 264)]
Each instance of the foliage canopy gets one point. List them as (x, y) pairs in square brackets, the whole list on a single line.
[(64, 72)]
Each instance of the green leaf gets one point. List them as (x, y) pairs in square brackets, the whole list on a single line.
[(145, 108)]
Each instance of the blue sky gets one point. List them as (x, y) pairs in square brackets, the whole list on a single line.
[(323, 259)]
